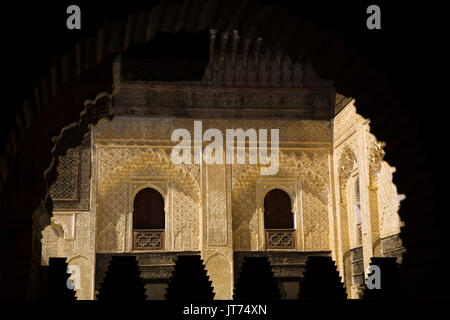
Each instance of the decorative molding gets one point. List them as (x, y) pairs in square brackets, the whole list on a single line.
[(346, 164), (71, 190), (310, 169), (67, 184), (121, 168), (375, 158), (185, 101)]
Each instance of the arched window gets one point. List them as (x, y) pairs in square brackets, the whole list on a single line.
[(357, 211), (279, 220), (148, 220), (278, 210)]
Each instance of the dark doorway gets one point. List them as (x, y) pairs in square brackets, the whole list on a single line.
[(148, 220), (278, 210), (148, 210)]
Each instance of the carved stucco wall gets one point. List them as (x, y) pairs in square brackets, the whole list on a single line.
[(124, 170), (72, 231), (72, 188), (207, 205), (77, 247), (389, 203), (357, 154), (304, 175), (71, 235), (353, 132), (216, 209)]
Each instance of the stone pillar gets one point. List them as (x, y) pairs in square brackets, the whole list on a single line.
[(217, 245), (345, 239), (345, 167), (376, 155), (374, 219)]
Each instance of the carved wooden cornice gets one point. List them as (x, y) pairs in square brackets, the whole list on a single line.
[(192, 101)]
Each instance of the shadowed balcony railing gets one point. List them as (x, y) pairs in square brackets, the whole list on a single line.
[(280, 239), (148, 239)]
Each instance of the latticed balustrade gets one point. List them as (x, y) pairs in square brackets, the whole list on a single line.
[(280, 239), (149, 239)]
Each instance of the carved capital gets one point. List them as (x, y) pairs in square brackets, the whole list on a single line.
[(375, 158), (346, 164)]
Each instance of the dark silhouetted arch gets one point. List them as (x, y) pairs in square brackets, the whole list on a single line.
[(278, 210), (148, 210)]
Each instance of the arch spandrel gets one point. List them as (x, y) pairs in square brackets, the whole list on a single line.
[(146, 166), (301, 167)]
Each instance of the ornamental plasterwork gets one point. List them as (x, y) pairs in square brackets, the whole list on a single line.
[(346, 120), (131, 153), (388, 202), (357, 151), (220, 270), (216, 205), (67, 182), (310, 166), (183, 222), (288, 185), (71, 190), (113, 203), (136, 184), (147, 99), (85, 263), (144, 131), (315, 223), (308, 169), (71, 235), (375, 158), (85, 233), (347, 161), (130, 159)]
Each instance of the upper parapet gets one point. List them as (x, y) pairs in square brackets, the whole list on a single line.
[(236, 62), (175, 75)]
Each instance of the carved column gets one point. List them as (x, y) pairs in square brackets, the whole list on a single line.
[(376, 155), (346, 163), (217, 248)]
